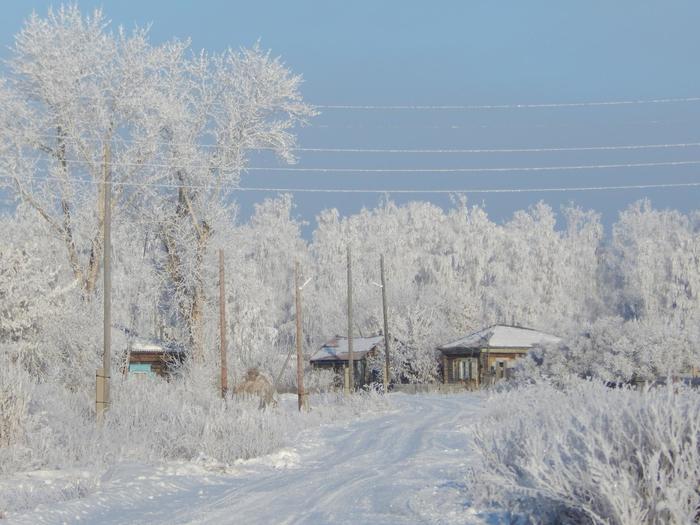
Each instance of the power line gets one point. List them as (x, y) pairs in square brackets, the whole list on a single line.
[(381, 191), (503, 150), (468, 125), (479, 170), (510, 106), (388, 170), (407, 150), (490, 190)]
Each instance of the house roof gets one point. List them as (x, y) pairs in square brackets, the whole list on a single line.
[(501, 336), (143, 346), (336, 349)]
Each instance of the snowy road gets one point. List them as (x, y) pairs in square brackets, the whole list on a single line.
[(403, 467)]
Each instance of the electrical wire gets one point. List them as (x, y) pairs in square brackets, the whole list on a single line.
[(379, 191), (176, 165), (407, 150), (479, 170), (508, 106), (502, 150)]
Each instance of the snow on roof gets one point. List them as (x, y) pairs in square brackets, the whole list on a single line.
[(142, 346), (502, 336), (337, 348)]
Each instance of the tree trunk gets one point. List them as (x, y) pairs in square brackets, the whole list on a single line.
[(192, 297), (93, 266), (196, 327)]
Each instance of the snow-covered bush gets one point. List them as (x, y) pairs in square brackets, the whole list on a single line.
[(614, 350), (151, 420), (63, 432), (180, 420), (591, 454), (320, 381), (15, 393)]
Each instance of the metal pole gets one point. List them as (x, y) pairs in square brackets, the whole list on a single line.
[(351, 362), (301, 395), (103, 400), (222, 325), (387, 377)]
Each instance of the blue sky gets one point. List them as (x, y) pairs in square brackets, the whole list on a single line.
[(463, 53)]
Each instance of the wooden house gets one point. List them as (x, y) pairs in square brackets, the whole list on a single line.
[(485, 356), (333, 355), (153, 358)]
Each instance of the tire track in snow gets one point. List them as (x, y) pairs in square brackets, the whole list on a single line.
[(366, 472), (403, 467)]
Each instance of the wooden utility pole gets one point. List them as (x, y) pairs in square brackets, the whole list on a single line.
[(387, 377), (103, 375), (301, 395), (351, 362), (222, 325)]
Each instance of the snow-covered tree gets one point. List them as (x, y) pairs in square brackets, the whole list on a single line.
[(79, 101), (172, 130), (654, 263), (213, 111)]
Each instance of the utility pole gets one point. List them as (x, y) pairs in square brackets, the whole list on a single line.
[(103, 375), (301, 395), (222, 325), (351, 363), (387, 378)]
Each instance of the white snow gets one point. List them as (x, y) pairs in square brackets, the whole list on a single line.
[(502, 336), (337, 348), (404, 467)]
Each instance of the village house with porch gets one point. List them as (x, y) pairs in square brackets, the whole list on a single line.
[(333, 355), (485, 356)]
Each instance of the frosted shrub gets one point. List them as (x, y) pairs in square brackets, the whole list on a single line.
[(63, 431), (155, 419), (15, 392), (42, 425), (150, 420), (160, 420), (614, 350), (590, 454), (318, 380)]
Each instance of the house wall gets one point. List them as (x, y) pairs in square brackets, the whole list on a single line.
[(155, 360), (491, 359), (362, 372), (463, 369), (485, 365)]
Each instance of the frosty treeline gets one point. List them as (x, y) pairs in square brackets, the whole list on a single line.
[(450, 271), (174, 130)]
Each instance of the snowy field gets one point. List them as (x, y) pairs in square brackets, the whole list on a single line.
[(404, 466)]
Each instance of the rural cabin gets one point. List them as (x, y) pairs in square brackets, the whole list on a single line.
[(154, 358), (486, 355), (333, 355)]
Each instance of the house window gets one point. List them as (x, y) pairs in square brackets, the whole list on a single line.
[(140, 369), (498, 369), (465, 369)]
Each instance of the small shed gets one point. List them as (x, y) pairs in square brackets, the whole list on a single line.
[(333, 355), (485, 356), (150, 358)]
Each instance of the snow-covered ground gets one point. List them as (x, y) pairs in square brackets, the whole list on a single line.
[(404, 466)]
